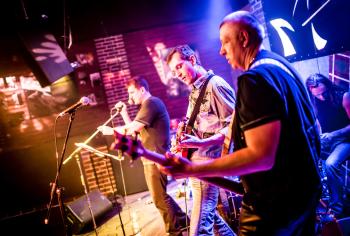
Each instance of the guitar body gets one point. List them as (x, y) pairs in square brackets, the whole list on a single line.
[(180, 135), (188, 152)]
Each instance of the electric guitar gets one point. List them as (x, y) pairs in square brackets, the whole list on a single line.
[(133, 148)]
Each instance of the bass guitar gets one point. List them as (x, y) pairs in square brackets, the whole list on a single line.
[(133, 148)]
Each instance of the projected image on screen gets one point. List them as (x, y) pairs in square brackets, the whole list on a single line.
[(303, 29), (28, 109), (47, 100), (174, 87), (25, 98)]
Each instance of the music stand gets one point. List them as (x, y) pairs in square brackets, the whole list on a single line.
[(97, 152)]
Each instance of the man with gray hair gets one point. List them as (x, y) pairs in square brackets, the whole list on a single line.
[(275, 137)]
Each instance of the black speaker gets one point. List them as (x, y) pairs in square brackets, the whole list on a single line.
[(78, 212), (43, 54)]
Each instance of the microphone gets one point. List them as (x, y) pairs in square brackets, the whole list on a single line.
[(118, 107), (82, 102)]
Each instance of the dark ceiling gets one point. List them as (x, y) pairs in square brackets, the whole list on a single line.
[(94, 19)]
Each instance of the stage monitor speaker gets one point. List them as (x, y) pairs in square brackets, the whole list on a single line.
[(44, 55), (78, 212)]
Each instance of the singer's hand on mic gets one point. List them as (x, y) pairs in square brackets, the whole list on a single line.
[(121, 107), (105, 130)]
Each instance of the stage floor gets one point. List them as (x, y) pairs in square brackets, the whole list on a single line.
[(139, 215)]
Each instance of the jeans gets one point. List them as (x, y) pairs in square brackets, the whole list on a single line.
[(335, 171), (173, 217), (204, 215)]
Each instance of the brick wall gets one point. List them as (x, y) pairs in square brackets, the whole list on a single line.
[(123, 56), (98, 172), (114, 66)]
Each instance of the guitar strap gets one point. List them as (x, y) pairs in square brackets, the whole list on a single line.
[(195, 111), (228, 143)]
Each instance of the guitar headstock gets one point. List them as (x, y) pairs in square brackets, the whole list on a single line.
[(128, 145)]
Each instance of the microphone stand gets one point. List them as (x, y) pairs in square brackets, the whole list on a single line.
[(54, 186)]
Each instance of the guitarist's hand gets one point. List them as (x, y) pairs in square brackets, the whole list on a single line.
[(105, 130), (177, 166), (326, 140), (190, 141), (121, 107), (174, 147)]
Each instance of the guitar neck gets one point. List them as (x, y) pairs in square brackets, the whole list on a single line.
[(221, 182), (155, 157)]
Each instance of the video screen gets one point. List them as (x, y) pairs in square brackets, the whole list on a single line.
[(28, 109)]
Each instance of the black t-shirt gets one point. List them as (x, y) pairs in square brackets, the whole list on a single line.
[(155, 135), (331, 114), (267, 93)]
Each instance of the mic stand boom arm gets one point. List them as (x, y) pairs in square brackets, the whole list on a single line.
[(89, 139)]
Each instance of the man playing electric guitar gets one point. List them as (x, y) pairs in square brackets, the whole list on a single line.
[(211, 104)]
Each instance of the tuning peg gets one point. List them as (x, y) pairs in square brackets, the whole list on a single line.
[(124, 142), (136, 135), (134, 154), (134, 141)]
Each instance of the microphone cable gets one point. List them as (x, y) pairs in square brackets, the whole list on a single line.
[(55, 139), (186, 207)]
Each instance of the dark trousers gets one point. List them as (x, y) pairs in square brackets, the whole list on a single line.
[(173, 216), (278, 224)]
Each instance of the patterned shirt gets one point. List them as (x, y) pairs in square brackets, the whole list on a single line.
[(215, 111)]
